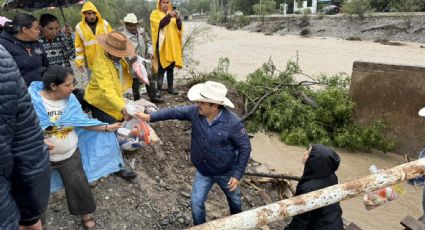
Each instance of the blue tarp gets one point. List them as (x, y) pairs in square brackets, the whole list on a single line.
[(100, 152)]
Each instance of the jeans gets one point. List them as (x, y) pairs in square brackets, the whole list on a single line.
[(200, 188)]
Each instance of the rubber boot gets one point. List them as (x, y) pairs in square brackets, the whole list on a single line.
[(159, 82), (151, 89), (170, 81)]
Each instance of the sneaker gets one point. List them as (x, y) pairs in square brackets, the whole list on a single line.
[(126, 174)]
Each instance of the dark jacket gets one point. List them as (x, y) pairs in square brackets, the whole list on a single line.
[(24, 160), (319, 172), (29, 56), (220, 149)]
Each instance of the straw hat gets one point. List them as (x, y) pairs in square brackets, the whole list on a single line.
[(131, 18), (210, 91), (116, 43)]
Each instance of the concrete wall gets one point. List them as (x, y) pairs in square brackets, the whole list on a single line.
[(393, 94)]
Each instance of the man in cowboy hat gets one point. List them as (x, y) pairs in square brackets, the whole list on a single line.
[(91, 26), (220, 146), (110, 79), (141, 41)]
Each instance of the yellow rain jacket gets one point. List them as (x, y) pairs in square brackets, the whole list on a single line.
[(169, 40), (106, 89), (85, 40)]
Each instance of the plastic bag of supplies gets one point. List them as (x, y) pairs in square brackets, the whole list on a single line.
[(382, 196)]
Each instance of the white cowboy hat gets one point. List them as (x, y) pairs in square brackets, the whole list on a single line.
[(422, 112), (210, 91), (131, 18)]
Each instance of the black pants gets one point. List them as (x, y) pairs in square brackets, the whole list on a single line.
[(102, 116), (79, 198), (136, 89), (170, 76)]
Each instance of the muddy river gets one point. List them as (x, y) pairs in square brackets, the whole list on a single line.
[(247, 51)]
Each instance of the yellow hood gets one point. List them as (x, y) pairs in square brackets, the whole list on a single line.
[(87, 7), (170, 6)]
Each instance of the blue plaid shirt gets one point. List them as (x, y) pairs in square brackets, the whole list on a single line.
[(221, 148)]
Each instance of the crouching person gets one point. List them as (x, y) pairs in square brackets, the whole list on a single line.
[(60, 116), (321, 162), (220, 147)]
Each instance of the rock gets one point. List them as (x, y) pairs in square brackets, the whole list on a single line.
[(179, 214), (106, 197), (181, 220), (165, 221), (133, 163), (185, 194)]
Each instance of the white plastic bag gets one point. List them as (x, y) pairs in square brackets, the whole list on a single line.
[(134, 134), (140, 70), (382, 196)]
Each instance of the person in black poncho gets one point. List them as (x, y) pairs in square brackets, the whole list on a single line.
[(321, 162)]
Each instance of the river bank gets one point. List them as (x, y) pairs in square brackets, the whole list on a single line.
[(247, 51)]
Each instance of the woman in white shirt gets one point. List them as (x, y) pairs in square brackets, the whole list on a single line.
[(62, 142)]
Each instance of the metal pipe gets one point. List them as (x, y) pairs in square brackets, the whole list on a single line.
[(320, 198)]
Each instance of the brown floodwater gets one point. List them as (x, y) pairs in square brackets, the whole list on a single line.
[(277, 157)]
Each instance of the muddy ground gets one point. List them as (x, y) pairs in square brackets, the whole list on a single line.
[(160, 197), (406, 27)]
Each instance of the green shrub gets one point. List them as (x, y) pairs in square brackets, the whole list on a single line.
[(357, 7), (297, 123)]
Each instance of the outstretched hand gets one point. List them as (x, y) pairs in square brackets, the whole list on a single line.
[(143, 116), (233, 184), (126, 115), (114, 127)]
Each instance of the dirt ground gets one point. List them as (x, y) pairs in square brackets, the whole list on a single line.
[(160, 197)]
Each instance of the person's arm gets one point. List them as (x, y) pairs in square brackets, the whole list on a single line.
[(31, 169), (69, 49), (106, 87), (178, 113), (148, 43), (179, 23), (239, 138), (165, 21), (79, 50), (103, 128), (300, 222)]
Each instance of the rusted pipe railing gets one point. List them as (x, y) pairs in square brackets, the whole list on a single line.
[(300, 204)]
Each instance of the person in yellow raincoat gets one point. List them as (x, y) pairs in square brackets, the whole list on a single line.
[(91, 26), (110, 79), (166, 30)]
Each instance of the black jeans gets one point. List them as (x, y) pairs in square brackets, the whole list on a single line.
[(136, 89), (102, 116), (170, 76)]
